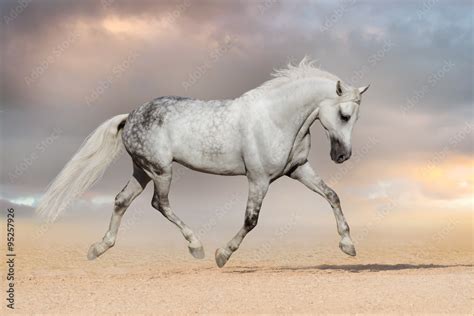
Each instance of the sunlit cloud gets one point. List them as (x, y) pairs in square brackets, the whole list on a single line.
[(26, 201), (407, 185), (452, 178), (134, 26)]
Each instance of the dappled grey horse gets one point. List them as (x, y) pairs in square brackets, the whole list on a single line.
[(264, 134)]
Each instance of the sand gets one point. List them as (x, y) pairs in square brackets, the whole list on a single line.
[(285, 277)]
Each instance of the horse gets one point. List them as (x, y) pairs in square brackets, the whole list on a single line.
[(264, 134)]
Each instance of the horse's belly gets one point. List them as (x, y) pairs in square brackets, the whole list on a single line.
[(217, 154), (222, 164)]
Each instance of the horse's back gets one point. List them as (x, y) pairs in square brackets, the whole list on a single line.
[(203, 135)]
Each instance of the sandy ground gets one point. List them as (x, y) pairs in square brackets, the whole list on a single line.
[(311, 277)]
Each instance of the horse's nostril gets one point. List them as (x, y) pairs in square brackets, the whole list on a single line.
[(340, 158)]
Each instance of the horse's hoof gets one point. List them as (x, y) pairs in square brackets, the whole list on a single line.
[(92, 253), (222, 255), (197, 252), (347, 246)]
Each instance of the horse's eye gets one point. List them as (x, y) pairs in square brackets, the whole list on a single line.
[(345, 118)]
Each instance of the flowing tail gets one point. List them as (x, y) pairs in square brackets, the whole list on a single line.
[(84, 169)]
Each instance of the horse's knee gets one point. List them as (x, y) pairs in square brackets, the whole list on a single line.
[(251, 221), (122, 201), (332, 197)]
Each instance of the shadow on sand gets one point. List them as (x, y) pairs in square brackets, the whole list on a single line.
[(354, 268)]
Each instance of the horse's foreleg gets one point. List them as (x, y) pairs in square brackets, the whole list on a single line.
[(308, 177), (161, 202), (122, 201), (257, 191)]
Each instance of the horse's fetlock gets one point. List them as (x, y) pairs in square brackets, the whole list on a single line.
[(109, 242), (344, 230), (233, 246), (188, 234)]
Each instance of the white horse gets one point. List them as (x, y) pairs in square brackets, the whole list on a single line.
[(264, 134)]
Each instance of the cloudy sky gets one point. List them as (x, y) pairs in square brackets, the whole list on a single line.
[(67, 66)]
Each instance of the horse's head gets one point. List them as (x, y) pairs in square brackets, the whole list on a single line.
[(338, 115)]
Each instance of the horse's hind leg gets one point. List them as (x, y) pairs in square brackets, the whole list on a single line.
[(133, 188), (161, 202)]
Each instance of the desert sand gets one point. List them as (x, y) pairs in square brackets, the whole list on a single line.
[(295, 276)]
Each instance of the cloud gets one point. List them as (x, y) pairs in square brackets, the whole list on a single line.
[(70, 66), (405, 185), (22, 206)]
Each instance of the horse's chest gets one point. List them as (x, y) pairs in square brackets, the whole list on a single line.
[(299, 153), (283, 156)]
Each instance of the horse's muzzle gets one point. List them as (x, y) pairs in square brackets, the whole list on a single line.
[(339, 152)]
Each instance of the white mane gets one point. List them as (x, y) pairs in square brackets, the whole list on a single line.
[(306, 68)]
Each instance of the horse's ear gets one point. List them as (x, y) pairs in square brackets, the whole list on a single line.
[(363, 89), (339, 88)]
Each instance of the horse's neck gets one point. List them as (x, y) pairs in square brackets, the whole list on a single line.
[(291, 104)]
